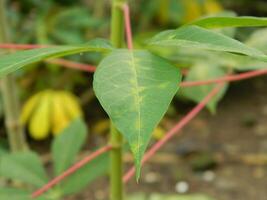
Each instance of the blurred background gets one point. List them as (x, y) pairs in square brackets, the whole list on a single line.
[(220, 155)]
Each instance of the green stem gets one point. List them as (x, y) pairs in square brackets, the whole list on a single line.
[(116, 168), (117, 39), (15, 132)]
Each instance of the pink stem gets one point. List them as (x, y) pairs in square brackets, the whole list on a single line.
[(22, 46), (73, 65), (70, 171), (128, 29), (229, 78)]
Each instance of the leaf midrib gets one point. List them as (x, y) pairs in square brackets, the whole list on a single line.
[(136, 85)]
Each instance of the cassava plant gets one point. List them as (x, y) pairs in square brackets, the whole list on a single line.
[(136, 86)]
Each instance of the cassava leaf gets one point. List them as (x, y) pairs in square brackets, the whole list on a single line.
[(23, 166), (258, 39), (14, 194), (200, 38), (15, 61), (225, 22), (201, 72), (135, 88), (66, 145)]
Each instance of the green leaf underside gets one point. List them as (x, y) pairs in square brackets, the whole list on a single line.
[(200, 38), (135, 88), (12, 62), (25, 167), (201, 72), (14, 194), (66, 145), (225, 22), (84, 176)]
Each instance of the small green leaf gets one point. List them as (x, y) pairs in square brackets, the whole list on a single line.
[(67, 144), (226, 22), (200, 38), (201, 72), (258, 39), (135, 88), (25, 167), (15, 61), (84, 176), (14, 194)]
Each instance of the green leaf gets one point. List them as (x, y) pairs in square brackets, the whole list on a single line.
[(15, 61), (258, 39), (225, 22), (135, 88), (201, 72), (67, 144), (14, 194), (84, 176), (23, 166), (200, 38)]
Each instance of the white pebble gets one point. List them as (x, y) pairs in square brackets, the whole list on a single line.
[(208, 176), (182, 187)]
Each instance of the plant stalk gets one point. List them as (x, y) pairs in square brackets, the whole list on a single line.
[(116, 139), (14, 129)]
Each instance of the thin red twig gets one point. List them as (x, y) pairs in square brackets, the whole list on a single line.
[(63, 62), (73, 65), (70, 171), (229, 78), (22, 46), (128, 29), (175, 130)]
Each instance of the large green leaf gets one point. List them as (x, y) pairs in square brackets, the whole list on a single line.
[(25, 167), (224, 22), (66, 145), (15, 61), (200, 38), (80, 179), (135, 88), (201, 72), (16, 194)]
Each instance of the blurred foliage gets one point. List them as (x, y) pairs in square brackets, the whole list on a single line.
[(26, 167)]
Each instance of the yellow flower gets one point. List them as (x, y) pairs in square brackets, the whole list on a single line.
[(194, 9), (49, 111), (212, 7), (158, 133)]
